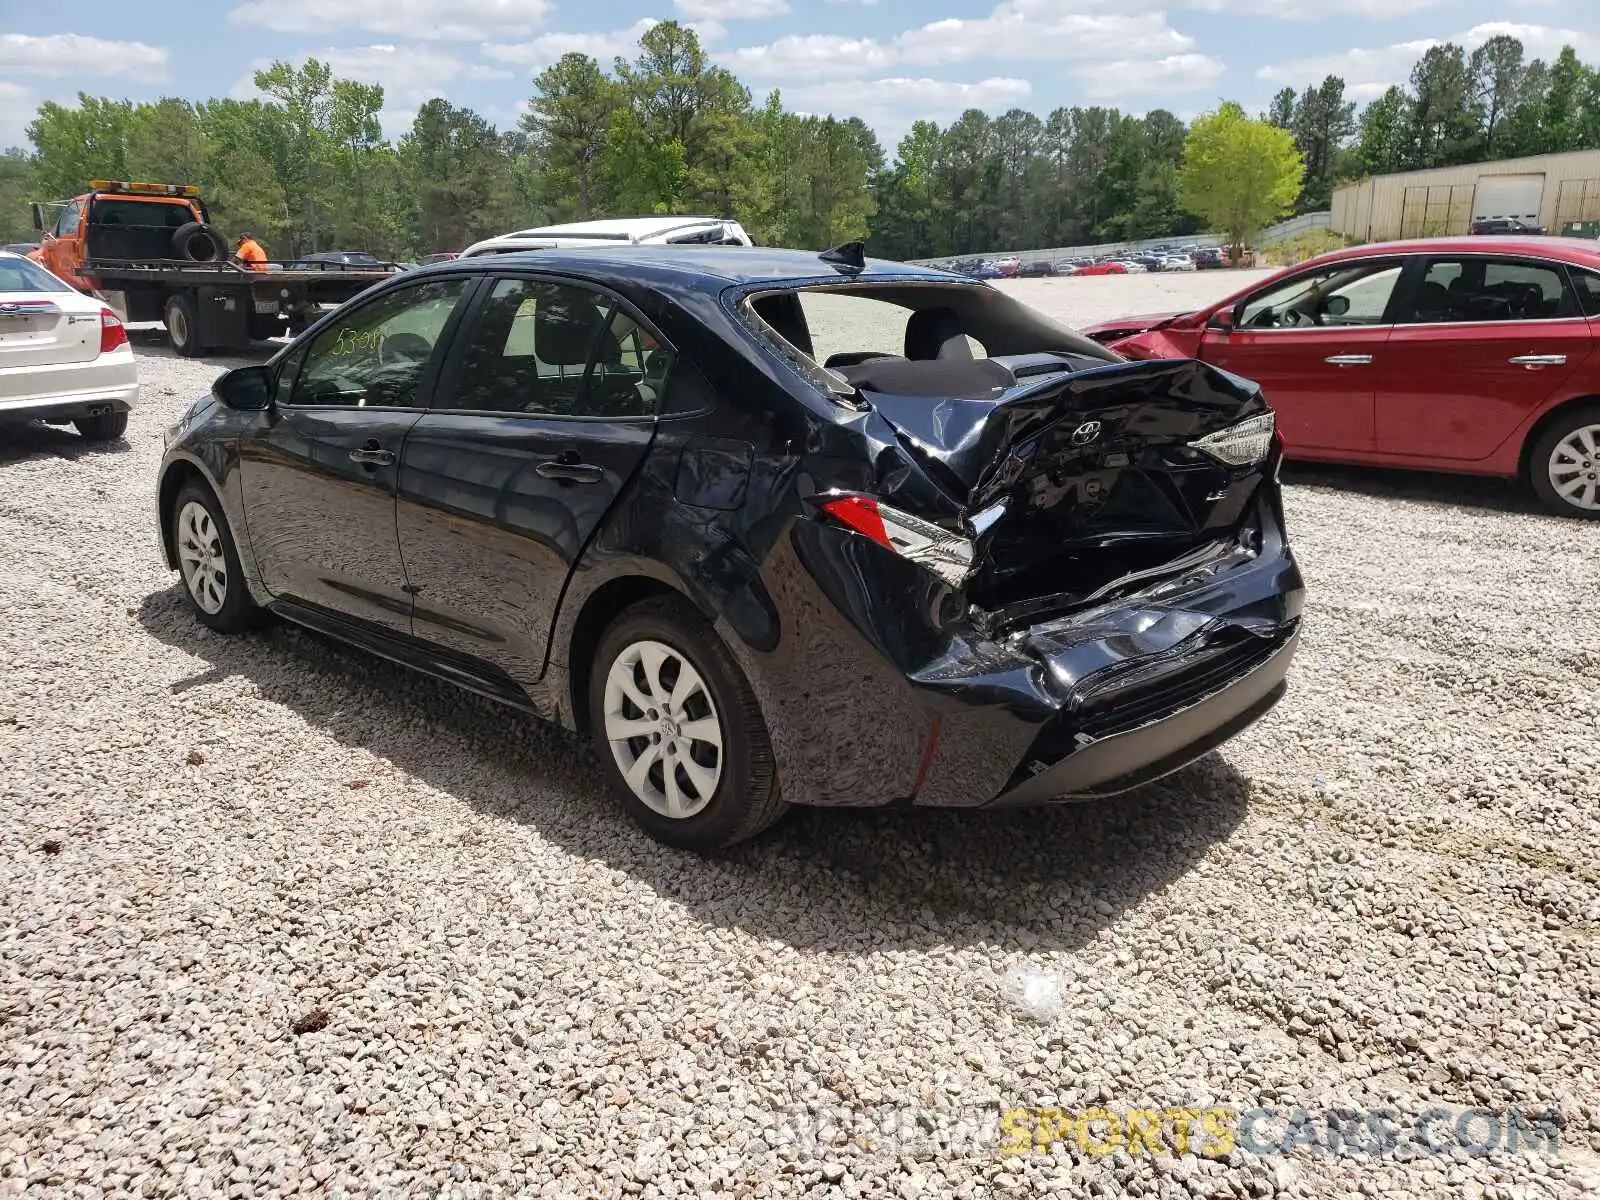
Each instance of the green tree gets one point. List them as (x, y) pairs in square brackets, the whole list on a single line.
[(567, 123), (16, 189), (305, 94), (353, 124), (1239, 174)]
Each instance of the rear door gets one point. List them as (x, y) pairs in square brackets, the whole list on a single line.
[(544, 414), (319, 474), (1313, 342), (1483, 342)]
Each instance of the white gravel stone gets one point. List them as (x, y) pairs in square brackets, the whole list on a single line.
[(1385, 895)]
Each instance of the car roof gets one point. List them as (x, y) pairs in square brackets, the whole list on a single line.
[(1574, 250), (617, 227), (728, 265)]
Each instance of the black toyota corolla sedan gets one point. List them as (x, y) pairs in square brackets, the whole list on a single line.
[(772, 527)]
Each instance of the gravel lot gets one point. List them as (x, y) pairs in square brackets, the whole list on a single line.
[(1385, 896)]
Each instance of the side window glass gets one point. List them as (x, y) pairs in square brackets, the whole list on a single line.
[(1588, 285), (376, 356), (529, 350), (1342, 295), (630, 371), (1480, 289), (283, 390), (70, 216)]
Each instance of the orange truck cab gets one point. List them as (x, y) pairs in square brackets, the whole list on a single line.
[(124, 222)]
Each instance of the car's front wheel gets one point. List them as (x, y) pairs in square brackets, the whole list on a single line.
[(679, 730), (1564, 466), (208, 560)]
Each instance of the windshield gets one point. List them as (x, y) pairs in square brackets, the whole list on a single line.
[(24, 275)]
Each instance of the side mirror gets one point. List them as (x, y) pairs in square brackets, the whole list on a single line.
[(1336, 306), (37, 210), (1225, 318), (248, 389)]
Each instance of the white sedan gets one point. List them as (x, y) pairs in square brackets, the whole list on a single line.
[(64, 356)]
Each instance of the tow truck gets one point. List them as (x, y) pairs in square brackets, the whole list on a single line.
[(150, 253)]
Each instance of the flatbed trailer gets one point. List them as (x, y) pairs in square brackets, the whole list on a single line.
[(220, 305), (150, 252)]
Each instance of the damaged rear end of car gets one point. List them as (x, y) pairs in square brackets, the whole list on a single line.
[(1077, 563)]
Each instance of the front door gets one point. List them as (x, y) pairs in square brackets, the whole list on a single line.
[(1312, 343), (61, 248), (1484, 342), (319, 475), (544, 413)]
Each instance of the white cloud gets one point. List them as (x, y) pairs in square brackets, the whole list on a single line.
[(730, 10), (1039, 29), (1369, 72), (1015, 30), (74, 54), (889, 106), (1317, 10), (809, 55), (1114, 80), (447, 20), (603, 46), (17, 105)]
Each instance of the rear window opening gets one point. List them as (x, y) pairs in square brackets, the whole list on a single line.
[(915, 339)]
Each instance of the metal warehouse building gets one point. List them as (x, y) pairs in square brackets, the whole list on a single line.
[(1552, 190)]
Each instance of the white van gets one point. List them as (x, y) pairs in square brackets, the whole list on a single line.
[(625, 231)]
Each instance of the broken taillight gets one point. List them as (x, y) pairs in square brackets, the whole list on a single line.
[(948, 555), (1242, 444), (112, 331)]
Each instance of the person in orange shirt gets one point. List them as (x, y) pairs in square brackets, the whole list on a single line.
[(249, 253)]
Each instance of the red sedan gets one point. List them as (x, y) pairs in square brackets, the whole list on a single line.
[(1474, 354), (1101, 268)]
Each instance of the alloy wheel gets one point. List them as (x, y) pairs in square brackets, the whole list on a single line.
[(201, 557), (663, 728), (1574, 468)]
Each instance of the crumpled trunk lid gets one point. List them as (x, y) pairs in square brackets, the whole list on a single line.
[(1076, 481)]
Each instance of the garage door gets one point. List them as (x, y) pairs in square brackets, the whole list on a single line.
[(1519, 197)]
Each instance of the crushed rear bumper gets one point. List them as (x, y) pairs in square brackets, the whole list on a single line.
[(1095, 703), (1118, 762)]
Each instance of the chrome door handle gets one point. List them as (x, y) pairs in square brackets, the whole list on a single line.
[(1349, 360), (371, 456), (1538, 360)]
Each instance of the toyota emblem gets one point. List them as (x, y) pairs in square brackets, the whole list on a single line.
[(1085, 433)]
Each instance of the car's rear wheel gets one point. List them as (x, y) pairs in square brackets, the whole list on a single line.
[(102, 427), (208, 560), (182, 326), (1564, 466), (679, 730)]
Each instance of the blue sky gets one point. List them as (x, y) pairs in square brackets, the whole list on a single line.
[(888, 61)]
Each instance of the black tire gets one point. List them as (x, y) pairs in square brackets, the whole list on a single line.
[(182, 323), (102, 427), (1584, 469), (238, 612), (746, 799), (195, 242)]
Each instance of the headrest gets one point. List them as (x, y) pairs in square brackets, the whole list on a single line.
[(936, 333), (565, 328)]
